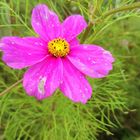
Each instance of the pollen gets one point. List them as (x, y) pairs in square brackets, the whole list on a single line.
[(58, 47)]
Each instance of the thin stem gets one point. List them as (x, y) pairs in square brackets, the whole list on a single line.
[(86, 32), (109, 13), (123, 8), (11, 87)]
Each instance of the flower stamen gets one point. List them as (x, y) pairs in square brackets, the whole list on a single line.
[(58, 47)]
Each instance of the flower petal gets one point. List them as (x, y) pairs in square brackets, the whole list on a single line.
[(91, 60), (74, 85), (42, 79), (74, 42), (23, 52), (45, 22), (73, 26)]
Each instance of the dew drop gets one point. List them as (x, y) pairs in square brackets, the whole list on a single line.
[(91, 70), (36, 43), (61, 82), (81, 77), (83, 96), (89, 58), (86, 89), (99, 75), (30, 89), (83, 68), (93, 62), (46, 17), (37, 23), (41, 44)]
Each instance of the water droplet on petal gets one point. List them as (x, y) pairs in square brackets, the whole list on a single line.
[(83, 96), (41, 44), (61, 81), (89, 58), (91, 70), (86, 89), (93, 62), (36, 43), (46, 17), (37, 23), (83, 68), (30, 89), (81, 77), (99, 75)]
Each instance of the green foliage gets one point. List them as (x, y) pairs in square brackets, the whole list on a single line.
[(107, 113)]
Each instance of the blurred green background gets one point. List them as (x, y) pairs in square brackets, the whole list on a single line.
[(113, 113)]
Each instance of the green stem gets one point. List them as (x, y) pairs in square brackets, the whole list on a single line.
[(109, 13), (11, 87), (121, 9), (86, 32)]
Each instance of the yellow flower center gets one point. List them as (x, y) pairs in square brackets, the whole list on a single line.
[(58, 47)]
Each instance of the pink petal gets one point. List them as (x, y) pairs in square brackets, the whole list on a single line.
[(73, 26), (91, 60), (42, 79), (45, 22), (74, 42), (75, 86), (23, 52)]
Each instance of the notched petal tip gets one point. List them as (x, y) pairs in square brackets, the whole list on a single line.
[(75, 87), (92, 60), (73, 26), (16, 51), (45, 21)]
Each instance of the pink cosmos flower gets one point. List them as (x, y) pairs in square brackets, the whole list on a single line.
[(56, 59)]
